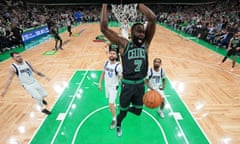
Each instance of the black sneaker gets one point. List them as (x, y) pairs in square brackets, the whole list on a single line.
[(46, 111), (113, 124), (44, 102), (119, 131)]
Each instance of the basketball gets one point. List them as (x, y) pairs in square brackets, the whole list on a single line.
[(152, 99)]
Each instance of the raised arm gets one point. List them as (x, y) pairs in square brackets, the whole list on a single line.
[(108, 33), (151, 19)]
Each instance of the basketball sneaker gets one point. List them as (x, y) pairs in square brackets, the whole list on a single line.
[(44, 102), (46, 111), (119, 131), (113, 124), (161, 114)]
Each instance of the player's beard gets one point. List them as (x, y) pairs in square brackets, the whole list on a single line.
[(138, 41), (156, 66), (111, 58), (19, 60)]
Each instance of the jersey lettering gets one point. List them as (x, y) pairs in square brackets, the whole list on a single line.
[(136, 53), (27, 70), (134, 62)]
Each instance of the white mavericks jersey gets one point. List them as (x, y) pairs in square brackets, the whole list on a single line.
[(111, 73), (24, 73), (155, 77), (124, 30)]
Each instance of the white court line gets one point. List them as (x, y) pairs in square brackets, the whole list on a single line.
[(69, 107), (164, 135), (104, 107), (179, 126), (47, 116), (191, 114), (205, 65)]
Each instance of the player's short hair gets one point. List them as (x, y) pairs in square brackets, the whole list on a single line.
[(113, 47), (157, 59), (134, 25), (13, 53)]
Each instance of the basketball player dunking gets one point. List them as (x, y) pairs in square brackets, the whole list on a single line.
[(134, 56)]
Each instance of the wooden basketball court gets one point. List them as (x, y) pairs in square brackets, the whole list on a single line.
[(209, 91)]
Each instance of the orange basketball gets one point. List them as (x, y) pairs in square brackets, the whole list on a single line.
[(152, 99)]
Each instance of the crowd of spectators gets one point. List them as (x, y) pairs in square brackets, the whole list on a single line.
[(215, 23), (18, 16)]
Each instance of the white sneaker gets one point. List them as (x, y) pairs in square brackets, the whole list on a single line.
[(161, 114), (119, 131), (113, 124)]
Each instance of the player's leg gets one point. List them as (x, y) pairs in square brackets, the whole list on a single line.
[(60, 46), (161, 107), (60, 40), (32, 90), (229, 53), (43, 93), (233, 60), (112, 98), (56, 44), (137, 103), (125, 99), (69, 30)]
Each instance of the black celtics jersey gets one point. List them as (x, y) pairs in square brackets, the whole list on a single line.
[(134, 62)]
